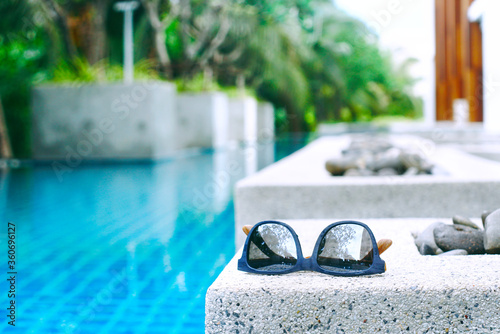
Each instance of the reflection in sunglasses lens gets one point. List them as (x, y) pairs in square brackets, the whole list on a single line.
[(272, 248), (346, 248)]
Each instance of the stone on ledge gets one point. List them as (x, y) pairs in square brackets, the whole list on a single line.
[(455, 252), (492, 233), (459, 220), (426, 237), (450, 237)]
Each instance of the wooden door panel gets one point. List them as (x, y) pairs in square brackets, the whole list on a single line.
[(458, 60)]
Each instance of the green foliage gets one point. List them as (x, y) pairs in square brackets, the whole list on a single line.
[(23, 48), (79, 71), (352, 80), (197, 84), (174, 43), (318, 64), (281, 120), (232, 91)]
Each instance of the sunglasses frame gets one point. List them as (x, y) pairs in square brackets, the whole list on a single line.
[(311, 263)]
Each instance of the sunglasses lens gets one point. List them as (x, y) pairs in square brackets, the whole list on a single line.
[(271, 248), (345, 248)]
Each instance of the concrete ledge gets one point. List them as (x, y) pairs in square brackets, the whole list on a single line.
[(299, 187), (417, 294), (440, 132), (202, 119), (265, 122), (489, 151), (242, 119), (104, 121)]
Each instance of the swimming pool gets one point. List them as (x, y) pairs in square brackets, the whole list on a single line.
[(123, 248)]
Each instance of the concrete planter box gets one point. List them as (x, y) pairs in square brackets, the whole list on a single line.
[(111, 121), (417, 294), (299, 187), (242, 119), (265, 122), (202, 119)]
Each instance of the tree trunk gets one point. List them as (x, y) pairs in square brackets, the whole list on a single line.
[(293, 121), (5, 148), (354, 115), (162, 52), (96, 43), (208, 78), (240, 83), (69, 45), (61, 21), (159, 26), (336, 108)]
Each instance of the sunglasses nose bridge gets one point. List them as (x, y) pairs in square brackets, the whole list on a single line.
[(308, 263)]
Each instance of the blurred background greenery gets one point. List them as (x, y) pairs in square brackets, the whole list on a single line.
[(311, 60)]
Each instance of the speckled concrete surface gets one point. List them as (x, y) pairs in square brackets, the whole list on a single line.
[(417, 294), (301, 188)]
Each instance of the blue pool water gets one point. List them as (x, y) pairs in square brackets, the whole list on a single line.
[(122, 248)]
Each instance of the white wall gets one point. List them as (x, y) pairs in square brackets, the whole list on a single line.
[(103, 121), (202, 119), (242, 119)]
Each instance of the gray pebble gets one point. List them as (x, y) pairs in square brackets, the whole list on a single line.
[(387, 171), (454, 252), (358, 172), (492, 233), (338, 166), (427, 237), (425, 249), (388, 159), (417, 160), (484, 215), (450, 237), (411, 171), (460, 220)]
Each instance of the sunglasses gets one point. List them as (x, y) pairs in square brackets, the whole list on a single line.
[(345, 248)]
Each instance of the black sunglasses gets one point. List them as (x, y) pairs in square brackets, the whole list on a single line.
[(345, 248)]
